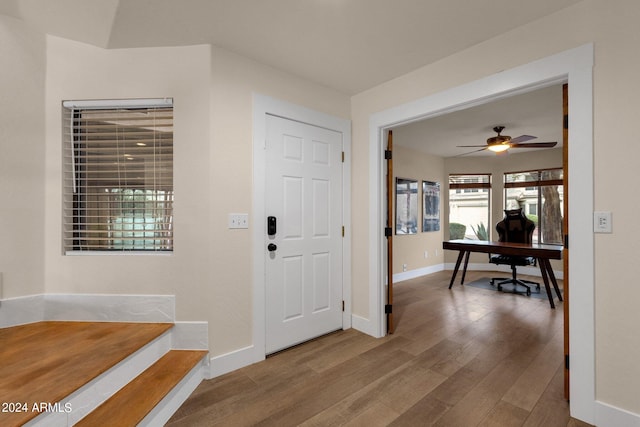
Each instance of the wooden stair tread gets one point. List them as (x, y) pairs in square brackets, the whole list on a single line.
[(134, 401), (47, 361)]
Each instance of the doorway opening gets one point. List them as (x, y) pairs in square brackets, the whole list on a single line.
[(575, 67), (263, 108)]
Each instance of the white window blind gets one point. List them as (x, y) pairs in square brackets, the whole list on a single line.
[(118, 180)]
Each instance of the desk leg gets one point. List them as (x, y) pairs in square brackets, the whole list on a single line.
[(545, 277), (552, 276), (455, 270), (464, 269)]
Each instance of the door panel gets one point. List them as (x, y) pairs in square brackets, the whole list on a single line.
[(565, 225), (390, 214), (304, 193)]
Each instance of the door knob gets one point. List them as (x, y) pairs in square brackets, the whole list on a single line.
[(272, 247)]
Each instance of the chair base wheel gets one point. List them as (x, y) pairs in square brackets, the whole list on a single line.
[(527, 285)]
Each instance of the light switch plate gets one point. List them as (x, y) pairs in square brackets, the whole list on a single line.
[(238, 220), (602, 222)]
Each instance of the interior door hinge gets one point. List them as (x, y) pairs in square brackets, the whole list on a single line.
[(343, 231), (566, 241), (566, 361), (388, 155), (342, 305), (343, 157), (388, 232), (388, 309)]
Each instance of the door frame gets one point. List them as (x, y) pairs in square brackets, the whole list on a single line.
[(263, 106), (575, 67)]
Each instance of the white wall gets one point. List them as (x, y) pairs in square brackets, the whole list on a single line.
[(233, 81), (409, 249), (79, 71), (22, 77), (210, 268), (612, 27)]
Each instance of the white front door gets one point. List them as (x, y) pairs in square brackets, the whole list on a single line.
[(304, 253)]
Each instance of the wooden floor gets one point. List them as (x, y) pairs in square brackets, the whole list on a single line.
[(461, 357), (46, 361), (136, 400)]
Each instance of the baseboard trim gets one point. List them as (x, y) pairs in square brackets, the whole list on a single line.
[(228, 362), (363, 325), (610, 416), (21, 310), (190, 336), (110, 307), (419, 272), (237, 359), (87, 308), (530, 271)]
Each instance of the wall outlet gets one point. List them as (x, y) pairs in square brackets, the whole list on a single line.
[(426, 254), (239, 220), (404, 267), (602, 222)]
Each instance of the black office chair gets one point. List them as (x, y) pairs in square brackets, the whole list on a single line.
[(515, 227)]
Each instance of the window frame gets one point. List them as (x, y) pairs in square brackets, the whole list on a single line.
[(536, 185), (136, 211), (471, 187)]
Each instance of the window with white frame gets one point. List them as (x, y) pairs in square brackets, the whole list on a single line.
[(539, 193), (118, 175), (469, 197)]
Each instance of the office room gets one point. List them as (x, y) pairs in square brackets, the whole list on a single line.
[(430, 159), (374, 69)]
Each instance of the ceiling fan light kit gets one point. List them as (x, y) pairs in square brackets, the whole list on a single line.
[(501, 143), (499, 148)]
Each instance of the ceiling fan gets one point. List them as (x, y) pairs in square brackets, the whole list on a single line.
[(501, 143)]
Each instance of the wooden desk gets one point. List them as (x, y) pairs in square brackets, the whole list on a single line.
[(542, 252)]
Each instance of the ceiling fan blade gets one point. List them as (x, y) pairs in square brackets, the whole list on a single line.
[(471, 146), (522, 138), (535, 145), (470, 152)]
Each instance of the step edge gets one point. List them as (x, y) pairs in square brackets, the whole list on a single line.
[(168, 406), (192, 375), (101, 388)]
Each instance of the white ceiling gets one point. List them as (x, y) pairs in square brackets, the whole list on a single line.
[(348, 45), (537, 113)]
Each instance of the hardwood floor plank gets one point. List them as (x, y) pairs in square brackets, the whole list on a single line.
[(459, 357), (505, 414), (333, 387), (521, 349), (47, 361), (551, 410), (406, 388), (528, 389), (424, 413), (378, 414), (397, 390), (215, 395), (333, 355)]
